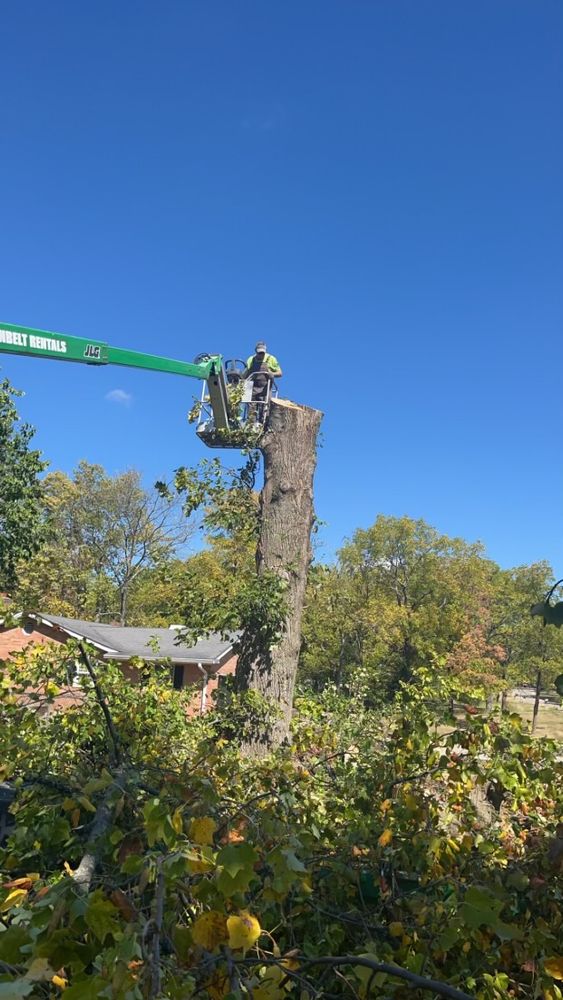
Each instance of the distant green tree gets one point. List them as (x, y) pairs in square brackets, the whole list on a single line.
[(21, 508), (201, 592), (534, 653), (104, 532), (401, 595), (336, 628)]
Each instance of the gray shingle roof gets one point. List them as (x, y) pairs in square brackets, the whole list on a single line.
[(122, 642)]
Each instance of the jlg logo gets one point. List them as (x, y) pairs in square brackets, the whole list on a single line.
[(92, 351)]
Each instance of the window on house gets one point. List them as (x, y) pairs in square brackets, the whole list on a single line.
[(178, 677), (75, 670)]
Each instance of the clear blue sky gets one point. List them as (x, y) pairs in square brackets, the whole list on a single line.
[(373, 186)]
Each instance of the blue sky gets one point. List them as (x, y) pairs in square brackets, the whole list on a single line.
[(373, 186)]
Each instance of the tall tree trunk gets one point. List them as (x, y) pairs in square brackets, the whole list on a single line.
[(289, 447), (123, 596), (536, 700), (340, 668)]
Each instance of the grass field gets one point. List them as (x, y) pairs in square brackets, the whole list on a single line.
[(550, 718)]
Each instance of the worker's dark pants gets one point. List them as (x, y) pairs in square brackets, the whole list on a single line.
[(259, 397)]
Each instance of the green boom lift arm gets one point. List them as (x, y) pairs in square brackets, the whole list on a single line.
[(60, 347)]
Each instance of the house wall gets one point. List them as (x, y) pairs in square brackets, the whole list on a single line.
[(192, 675), (15, 639)]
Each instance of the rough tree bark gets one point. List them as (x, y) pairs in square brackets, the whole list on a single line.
[(289, 447)]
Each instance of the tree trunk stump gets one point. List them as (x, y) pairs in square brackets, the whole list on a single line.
[(289, 447)]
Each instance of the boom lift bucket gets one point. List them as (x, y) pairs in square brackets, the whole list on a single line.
[(247, 415)]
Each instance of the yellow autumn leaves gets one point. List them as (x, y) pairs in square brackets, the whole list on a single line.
[(18, 890), (202, 829), (14, 898), (244, 930), (554, 966), (210, 930), (239, 931), (386, 837)]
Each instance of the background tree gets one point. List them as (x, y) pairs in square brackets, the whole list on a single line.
[(534, 654), (401, 595), (201, 592), (21, 522), (103, 532), (334, 631)]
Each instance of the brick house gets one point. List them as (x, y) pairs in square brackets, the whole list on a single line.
[(201, 665)]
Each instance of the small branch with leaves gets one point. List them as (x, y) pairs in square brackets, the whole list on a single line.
[(363, 961)]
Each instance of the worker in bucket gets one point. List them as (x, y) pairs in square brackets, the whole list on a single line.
[(262, 368)]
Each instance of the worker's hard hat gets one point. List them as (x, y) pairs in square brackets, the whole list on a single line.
[(260, 346)]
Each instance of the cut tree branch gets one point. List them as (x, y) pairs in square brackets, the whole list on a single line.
[(83, 875), (155, 983), (101, 699), (418, 982), (413, 777)]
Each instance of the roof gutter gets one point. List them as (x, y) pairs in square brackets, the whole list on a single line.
[(124, 657)]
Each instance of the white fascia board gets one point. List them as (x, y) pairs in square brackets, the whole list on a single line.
[(73, 635)]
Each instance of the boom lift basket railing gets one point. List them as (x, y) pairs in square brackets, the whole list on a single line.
[(256, 399), (248, 409)]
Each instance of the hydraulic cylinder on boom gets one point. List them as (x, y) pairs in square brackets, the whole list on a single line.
[(61, 347)]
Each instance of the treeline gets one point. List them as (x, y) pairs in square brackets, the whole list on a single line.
[(398, 596), (110, 550), (401, 596)]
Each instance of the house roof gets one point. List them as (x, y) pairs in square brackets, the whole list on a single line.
[(119, 642)]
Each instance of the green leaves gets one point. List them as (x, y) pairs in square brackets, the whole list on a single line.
[(222, 591), (235, 868), (285, 845), (287, 870), (15, 989), (90, 988), (481, 908), (102, 917), (12, 940), (21, 521)]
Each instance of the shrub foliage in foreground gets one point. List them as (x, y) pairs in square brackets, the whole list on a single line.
[(148, 858)]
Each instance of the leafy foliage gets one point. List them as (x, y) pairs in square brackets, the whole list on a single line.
[(223, 591), (103, 532), (401, 595), (373, 839), (21, 522)]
